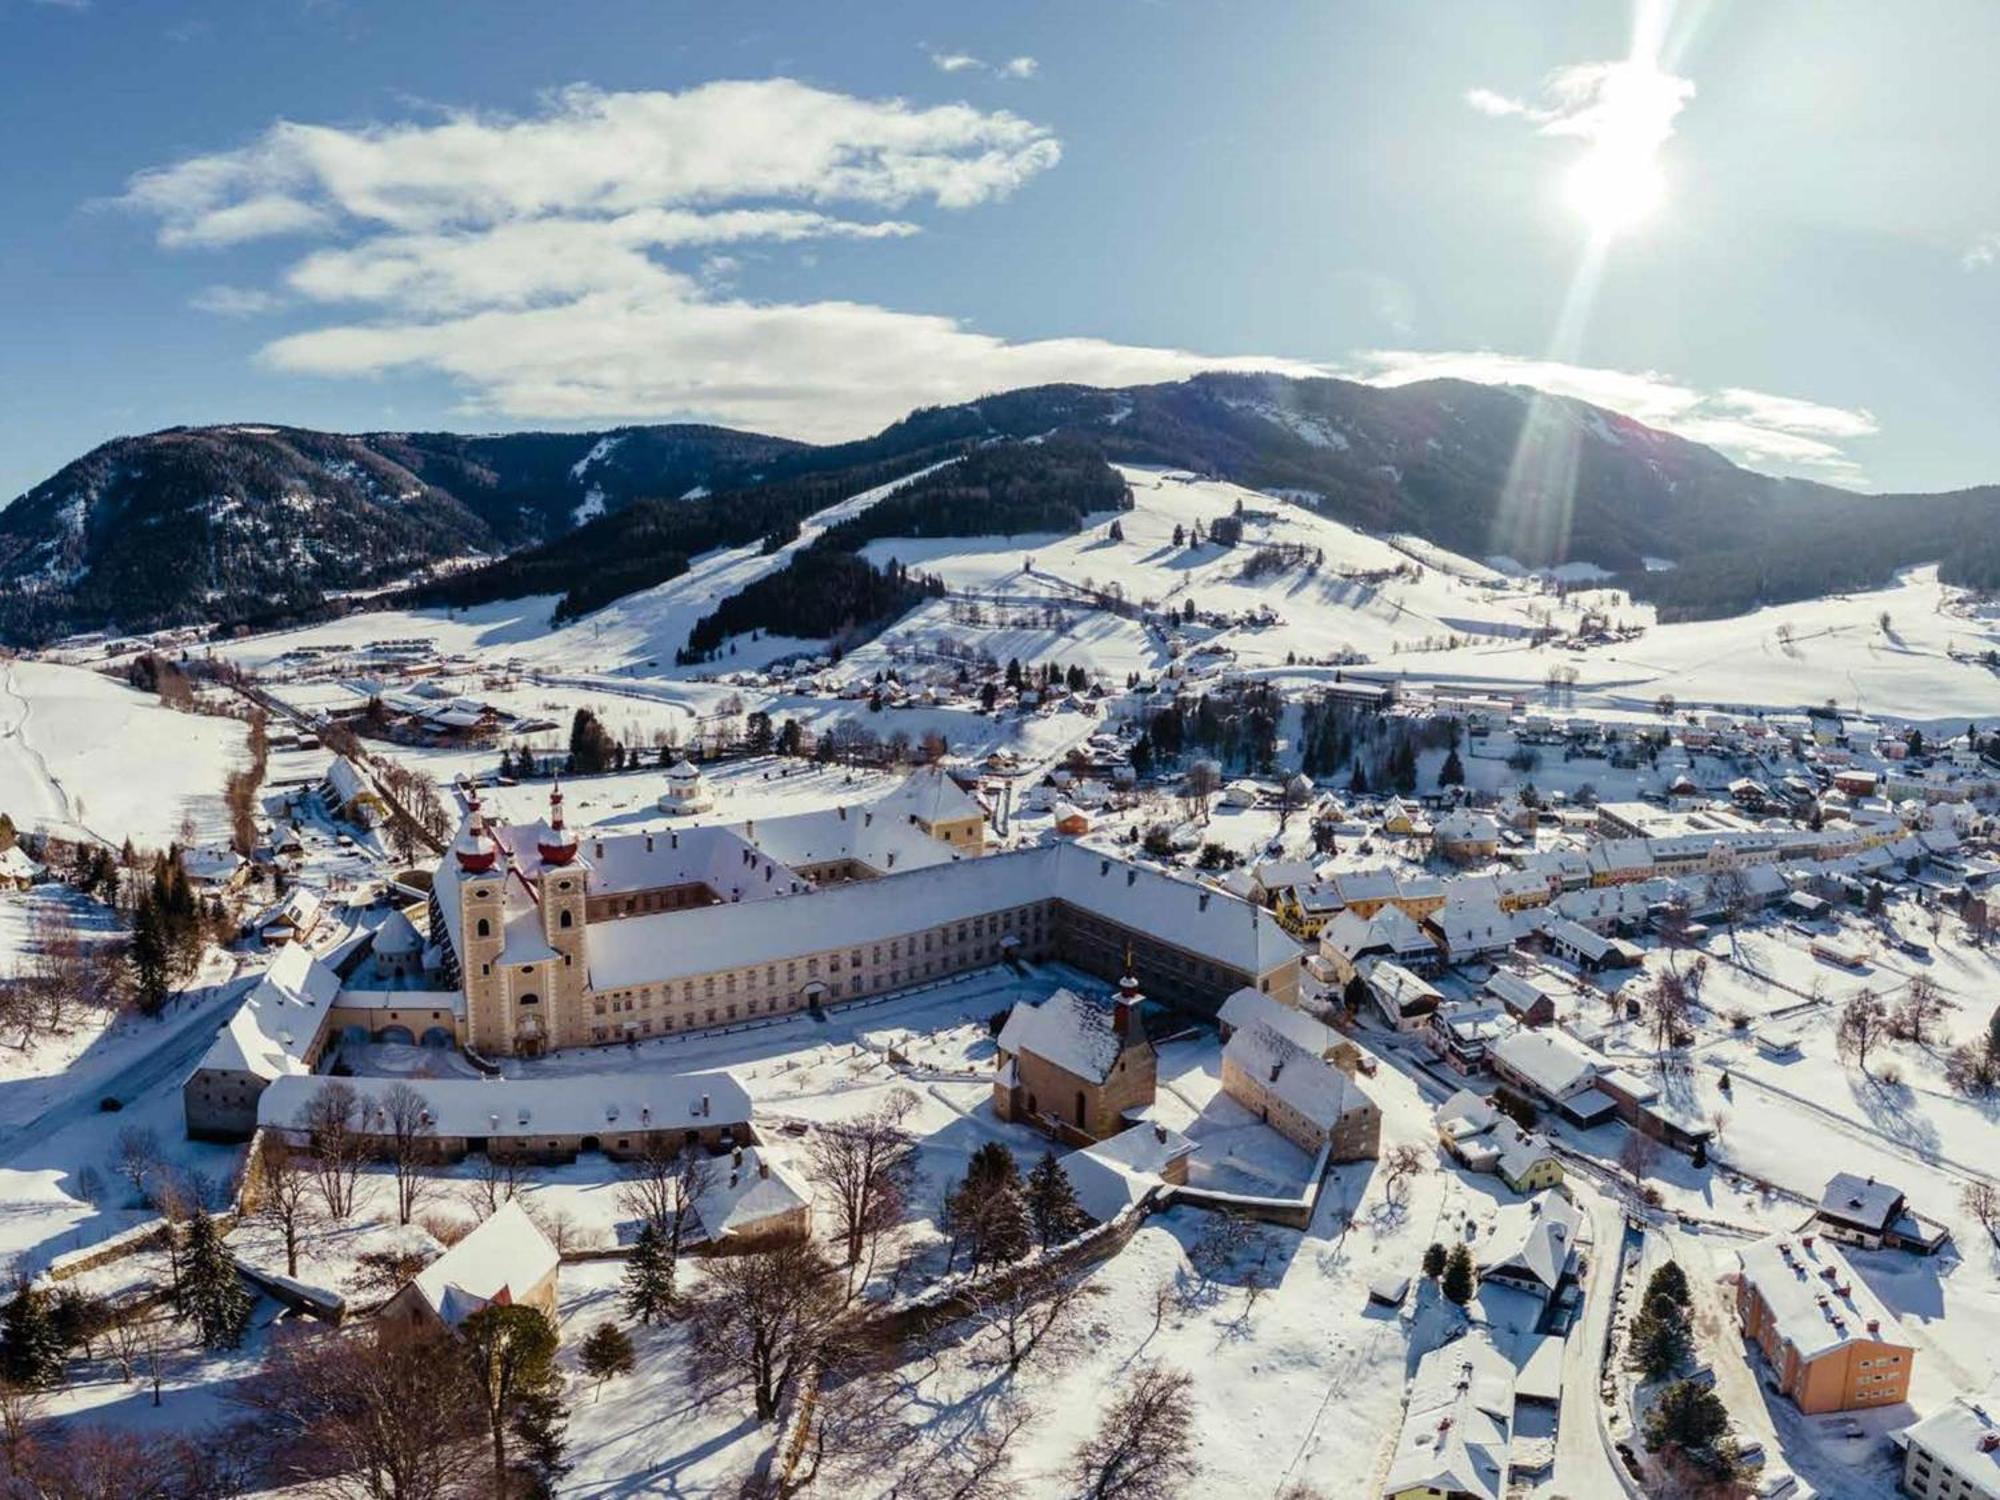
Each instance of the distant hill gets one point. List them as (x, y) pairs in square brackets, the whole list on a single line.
[(243, 524)]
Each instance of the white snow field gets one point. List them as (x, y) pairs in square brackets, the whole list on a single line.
[(82, 753), (1444, 618)]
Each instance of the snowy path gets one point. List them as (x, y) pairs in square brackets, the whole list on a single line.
[(16, 729)]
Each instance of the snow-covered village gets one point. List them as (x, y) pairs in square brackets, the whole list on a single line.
[(841, 756)]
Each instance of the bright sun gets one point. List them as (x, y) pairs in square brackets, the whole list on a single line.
[(1615, 190)]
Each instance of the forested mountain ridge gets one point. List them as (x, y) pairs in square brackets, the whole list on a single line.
[(243, 525)]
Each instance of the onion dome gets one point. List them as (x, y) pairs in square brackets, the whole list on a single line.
[(556, 844), (475, 849)]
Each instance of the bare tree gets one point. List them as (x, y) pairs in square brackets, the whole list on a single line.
[(20, 1413), (1637, 1154), (770, 1316), (136, 1157), (865, 1166), (1863, 1021), (497, 1178), (285, 1195), (331, 1123), (1144, 1447), (1669, 1011), (663, 1183), (971, 1464), (412, 1132), (1401, 1164), (1203, 781), (1924, 1004), (1982, 1200), (383, 1412), (1034, 1311)]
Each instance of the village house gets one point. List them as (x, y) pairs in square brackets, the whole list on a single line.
[(1874, 1215), (291, 920), (1456, 1440), (1527, 1000), (1404, 999), (17, 871), (1111, 1175), (280, 1030), (1351, 941), (1483, 1138), (214, 867), (1533, 1245), (1306, 1099), (1461, 1031), (1072, 1067), (1247, 1006), (1953, 1451), (349, 794), (506, 1262), (1465, 837), (1472, 931), (1829, 1342), (748, 1198)]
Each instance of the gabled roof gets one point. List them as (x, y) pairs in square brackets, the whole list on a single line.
[(1534, 1239), (1556, 1064), (1859, 1200), (1816, 1301), (272, 1030), (502, 1260), (1458, 1423), (742, 1194), (1248, 1005), (1305, 1081), (1067, 1030)]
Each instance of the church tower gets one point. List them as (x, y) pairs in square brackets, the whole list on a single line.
[(563, 885), (482, 926)]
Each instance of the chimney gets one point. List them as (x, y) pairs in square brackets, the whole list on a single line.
[(674, 839), (763, 1167), (736, 1159), (1276, 1068), (649, 842), (732, 1177), (704, 1106), (645, 1114), (1874, 1327), (1159, 1132)]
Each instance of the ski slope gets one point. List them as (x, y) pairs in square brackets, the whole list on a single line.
[(81, 754)]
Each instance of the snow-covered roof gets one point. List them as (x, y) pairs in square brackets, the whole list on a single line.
[(579, 1104), (747, 1189), (684, 772), (1816, 1301), (503, 1259), (1518, 991), (1963, 1435), (1396, 988), (1249, 1004), (1554, 1063), (15, 864), (1391, 930), (1457, 1424), (1860, 1200), (1307, 1082), (1466, 827), (1145, 1147), (1464, 1115), (349, 781), (206, 862), (271, 1031), (931, 797), (1104, 1188), (1073, 1033), (396, 936), (1534, 1239)]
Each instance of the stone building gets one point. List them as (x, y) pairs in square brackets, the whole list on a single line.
[(1306, 1099), (506, 1261), (1074, 1068)]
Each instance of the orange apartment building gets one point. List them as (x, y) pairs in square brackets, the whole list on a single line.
[(1831, 1343)]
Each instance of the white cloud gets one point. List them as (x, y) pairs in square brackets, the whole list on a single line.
[(1754, 427), (536, 262), (598, 154), (1983, 252), (965, 62), (235, 301)]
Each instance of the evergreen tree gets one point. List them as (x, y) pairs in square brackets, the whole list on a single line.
[(1661, 1338), (511, 1351), (32, 1354), (150, 954), (649, 1277), (607, 1351), (1670, 1282), (1434, 1258), (1688, 1417), (1052, 1205), (1459, 1279), (212, 1294), (1452, 773)]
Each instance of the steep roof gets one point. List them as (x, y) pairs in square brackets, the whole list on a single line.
[(1305, 1081), (1457, 1424), (504, 1258), (1073, 1033), (270, 1033), (1860, 1200), (741, 1195), (1249, 1005), (1533, 1239)]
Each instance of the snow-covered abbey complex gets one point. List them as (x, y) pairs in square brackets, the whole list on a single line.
[(556, 938)]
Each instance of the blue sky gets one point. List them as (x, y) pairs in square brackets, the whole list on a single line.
[(1772, 226)]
